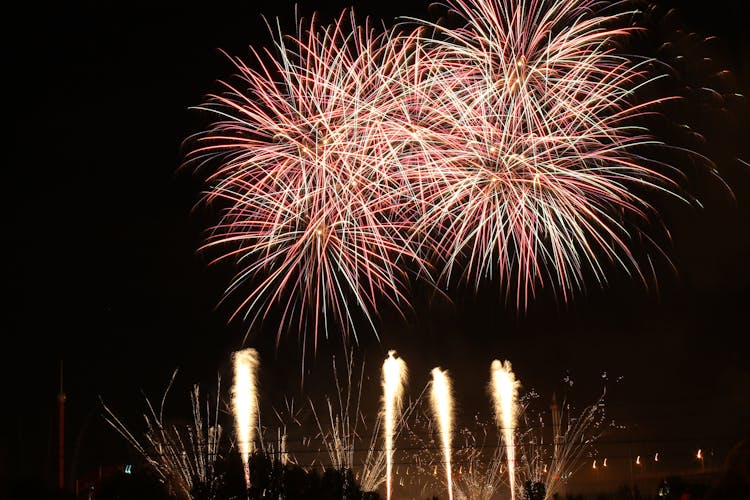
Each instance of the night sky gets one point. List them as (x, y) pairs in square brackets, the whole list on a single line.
[(101, 267)]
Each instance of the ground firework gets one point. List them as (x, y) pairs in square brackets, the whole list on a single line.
[(575, 436), (184, 456)]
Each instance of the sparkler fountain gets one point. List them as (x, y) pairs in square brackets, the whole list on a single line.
[(245, 403), (394, 379), (442, 405), (505, 394)]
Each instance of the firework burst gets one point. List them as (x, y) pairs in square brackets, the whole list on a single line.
[(507, 146), (545, 165), (310, 177)]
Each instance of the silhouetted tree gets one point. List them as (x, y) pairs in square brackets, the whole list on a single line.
[(206, 491), (296, 483), (233, 477), (270, 480), (534, 490)]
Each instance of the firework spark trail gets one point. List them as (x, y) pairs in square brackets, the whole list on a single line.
[(442, 405), (573, 440), (245, 403), (340, 433), (505, 395), (481, 473), (348, 430), (578, 435), (393, 381)]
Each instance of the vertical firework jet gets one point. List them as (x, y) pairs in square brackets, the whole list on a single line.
[(245, 403), (394, 379), (442, 405), (505, 394)]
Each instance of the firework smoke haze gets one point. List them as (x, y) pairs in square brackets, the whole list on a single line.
[(394, 379), (504, 388), (245, 403), (441, 397)]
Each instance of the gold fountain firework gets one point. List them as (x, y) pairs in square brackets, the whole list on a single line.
[(442, 405), (394, 379), (505, 394), (245, 403)]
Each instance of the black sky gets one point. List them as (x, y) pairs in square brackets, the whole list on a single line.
[(100, 242)]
